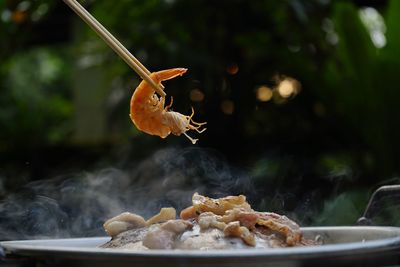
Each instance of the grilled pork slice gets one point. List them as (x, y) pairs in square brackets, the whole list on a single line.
[(224, 223), (175, 234), (236, 208)]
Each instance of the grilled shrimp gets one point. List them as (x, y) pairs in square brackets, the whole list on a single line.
[(148, 113)]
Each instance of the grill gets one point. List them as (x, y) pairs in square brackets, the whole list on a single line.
[(343, 246)]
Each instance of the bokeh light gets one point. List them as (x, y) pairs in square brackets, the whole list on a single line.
[(227, 107), (264, 93), (18, 16), (196, 95), (288, 87), (232, 69)]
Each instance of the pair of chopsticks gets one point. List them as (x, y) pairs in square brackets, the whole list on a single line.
[(118, 48)]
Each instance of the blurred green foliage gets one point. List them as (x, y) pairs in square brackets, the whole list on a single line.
[(361, 83), (325, 147), (35, 105), (34, 96)]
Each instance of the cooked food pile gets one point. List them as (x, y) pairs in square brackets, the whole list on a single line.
[(148, 113), (223, 223)]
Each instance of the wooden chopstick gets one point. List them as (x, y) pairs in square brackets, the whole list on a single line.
[(107, 37), (115, 40)]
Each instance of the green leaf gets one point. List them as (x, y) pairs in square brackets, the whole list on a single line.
[(355, 46), (392, 19)]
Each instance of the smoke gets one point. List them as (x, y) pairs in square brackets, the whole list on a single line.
[(78, 204)]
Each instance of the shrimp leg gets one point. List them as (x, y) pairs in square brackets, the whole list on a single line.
[(170, 104), (191, 139), (196, 125)]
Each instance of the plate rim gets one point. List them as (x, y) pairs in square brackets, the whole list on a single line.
[(31, 248)]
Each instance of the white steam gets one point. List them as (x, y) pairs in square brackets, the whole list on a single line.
[(77, 205)]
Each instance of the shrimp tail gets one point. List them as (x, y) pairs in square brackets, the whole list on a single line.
[(164, 75)]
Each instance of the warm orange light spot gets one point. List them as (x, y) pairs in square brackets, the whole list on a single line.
[(196, 95), (227, 107), (232, 69), (288, 87), (285, 88), (264, 93), (18, 16)]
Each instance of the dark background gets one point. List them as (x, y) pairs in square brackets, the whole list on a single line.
[(316, 153)]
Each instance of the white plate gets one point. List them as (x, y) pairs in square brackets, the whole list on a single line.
[(343, 245)]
